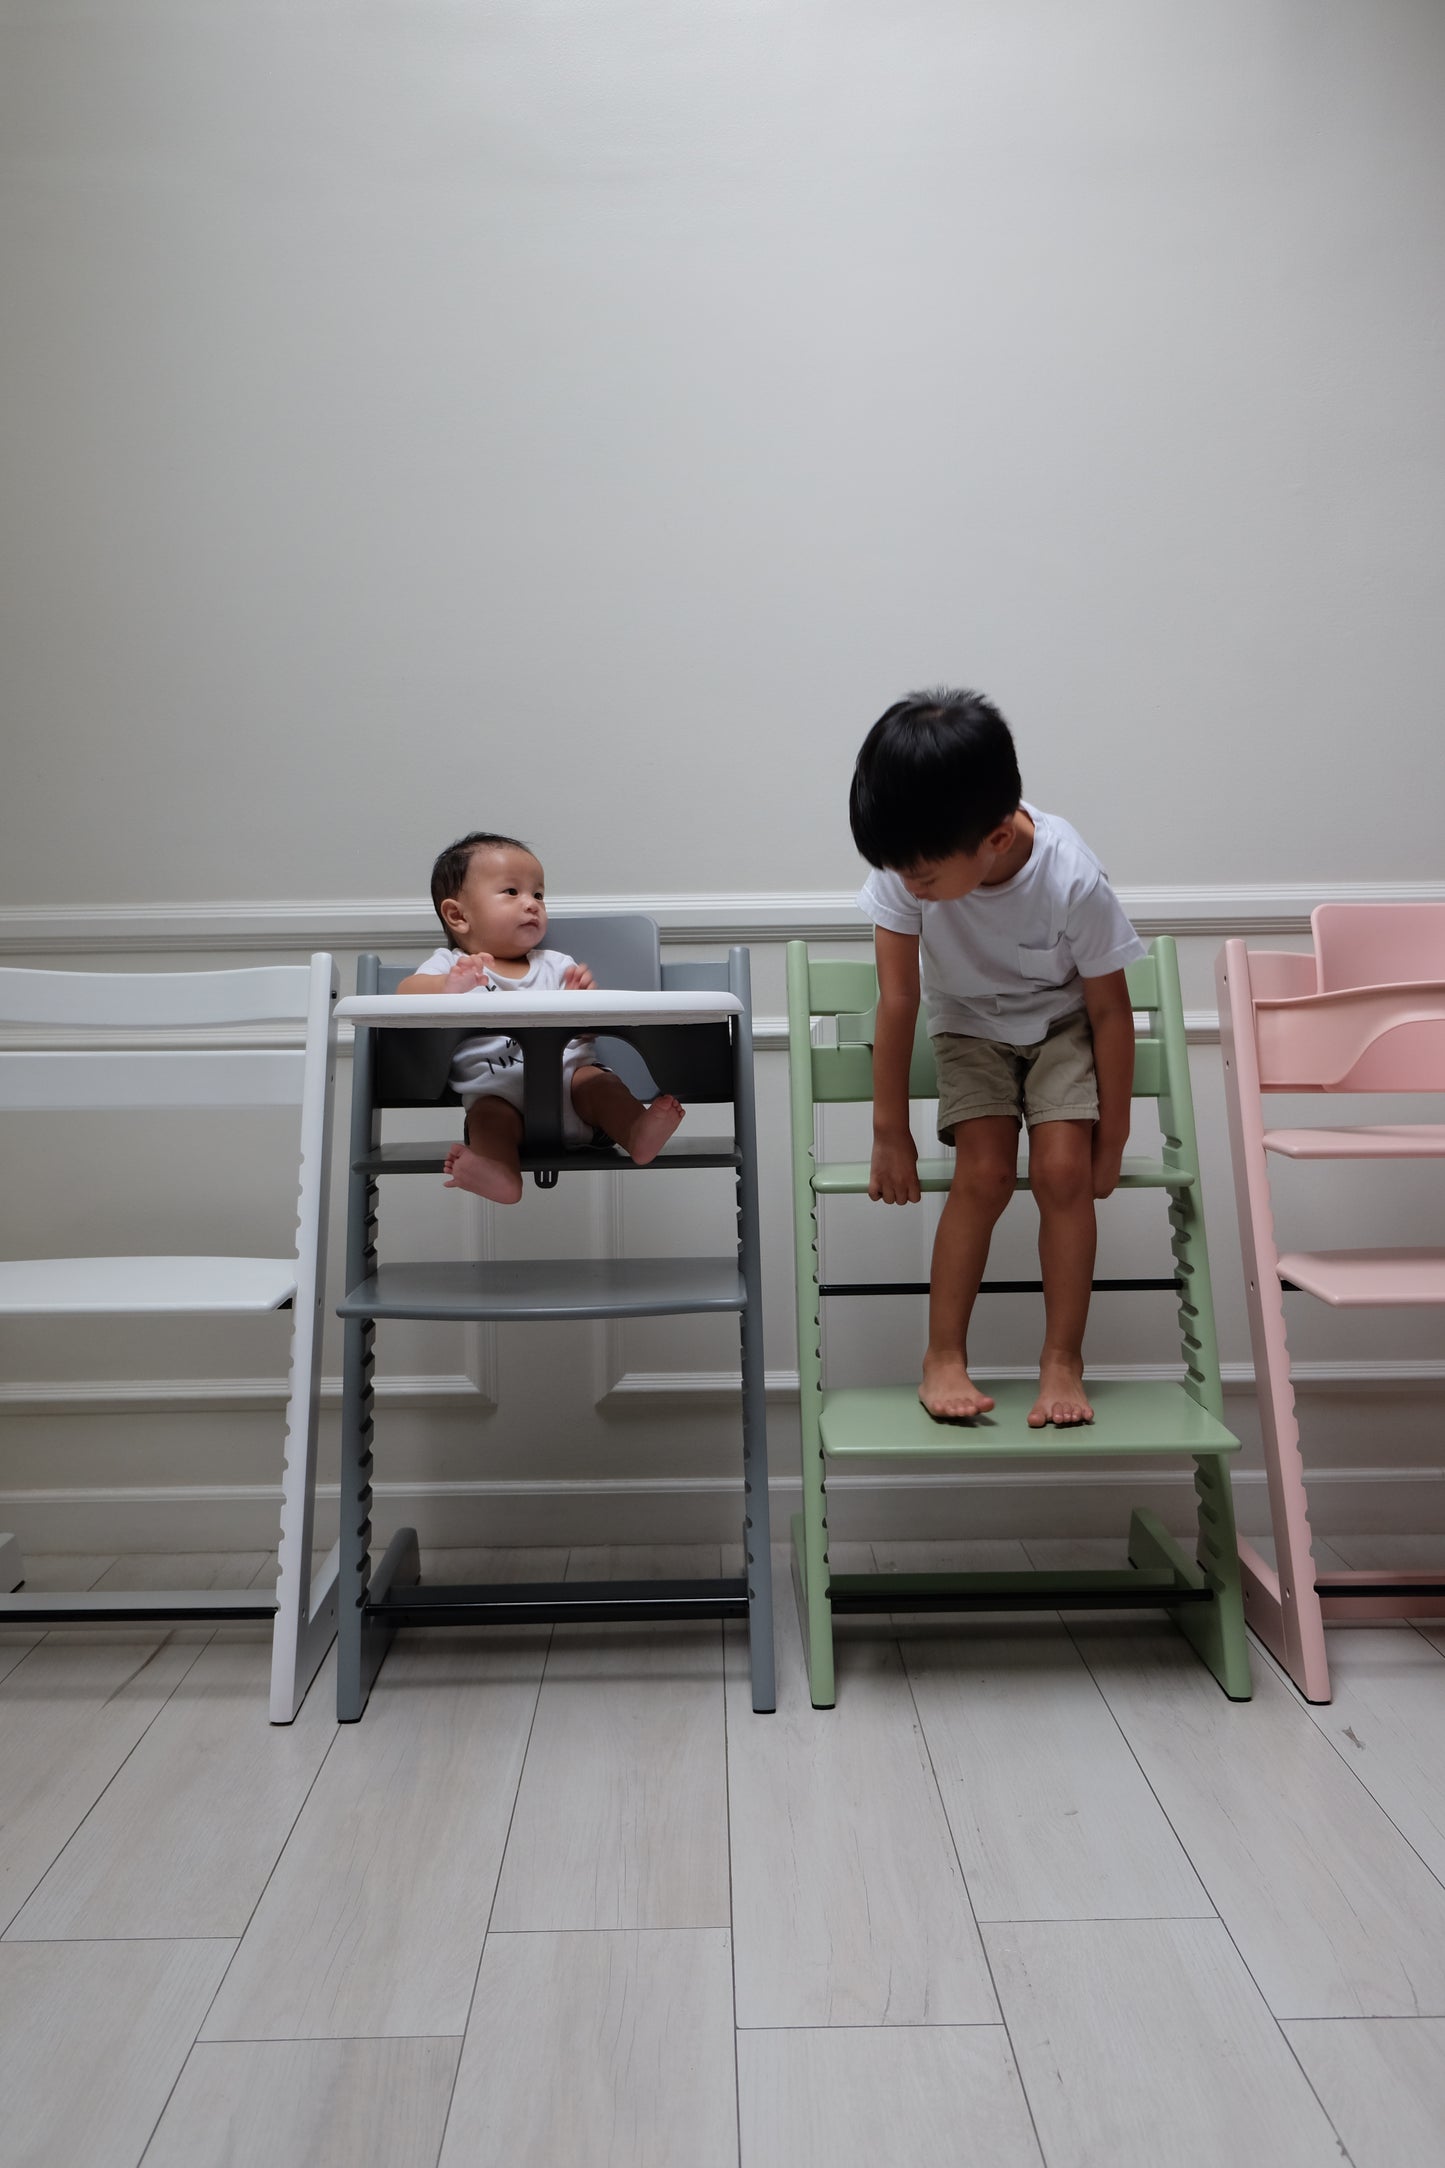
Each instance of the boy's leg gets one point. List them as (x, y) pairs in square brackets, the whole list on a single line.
[(604, 1101), (983, 1182), (1061, 1176), (489, 1163)]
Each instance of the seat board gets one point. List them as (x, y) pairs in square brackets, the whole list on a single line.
[(1368, 1279)]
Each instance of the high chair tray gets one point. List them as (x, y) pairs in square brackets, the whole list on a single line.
[(598, 1010)]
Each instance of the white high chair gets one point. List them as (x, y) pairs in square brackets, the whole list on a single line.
[(303, 1606)]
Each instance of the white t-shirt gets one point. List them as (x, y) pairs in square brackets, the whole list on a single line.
[(492, 1054), (1008, 962)]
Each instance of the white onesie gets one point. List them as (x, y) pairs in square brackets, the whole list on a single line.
[(489, 1066)]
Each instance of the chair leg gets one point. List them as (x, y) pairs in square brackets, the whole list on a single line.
[(12, 1565), (1214, 1630), (810, 1551), (353, 1676), (757, 1516)]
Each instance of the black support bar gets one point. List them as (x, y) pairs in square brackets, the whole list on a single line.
[(1051, 1599), (1405, 1584), (993, 1287), (525, 1603)]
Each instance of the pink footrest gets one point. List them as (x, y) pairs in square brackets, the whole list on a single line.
[(1367, 1279), (1399, 1140)]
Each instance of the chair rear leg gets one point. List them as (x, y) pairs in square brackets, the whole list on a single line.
[(757, 1517), (12, 1565), (810, 1578), (354, 1669)]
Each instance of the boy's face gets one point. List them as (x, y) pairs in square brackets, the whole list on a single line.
[(944, 880), (498, 910)]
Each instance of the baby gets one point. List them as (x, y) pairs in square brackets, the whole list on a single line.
[(488, 893)]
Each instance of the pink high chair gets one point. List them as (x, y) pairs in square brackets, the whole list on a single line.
[(1364, 1013)]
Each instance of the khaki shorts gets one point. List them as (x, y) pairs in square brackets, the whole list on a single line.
[(1050, 1081)]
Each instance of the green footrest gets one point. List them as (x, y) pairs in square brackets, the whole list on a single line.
[(1130, 1417), (849, 1178)]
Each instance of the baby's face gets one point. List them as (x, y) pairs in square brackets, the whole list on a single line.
[(498, 910)]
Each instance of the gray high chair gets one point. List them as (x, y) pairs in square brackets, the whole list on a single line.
[(707, 1060)]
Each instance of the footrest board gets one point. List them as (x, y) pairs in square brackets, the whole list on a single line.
[(849, 1178), (1397, 1140), (546, 1288), (428, 1156), (1130, 1417), (1368, 1279)]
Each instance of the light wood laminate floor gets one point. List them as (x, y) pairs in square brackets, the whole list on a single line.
[(1034, 1895)]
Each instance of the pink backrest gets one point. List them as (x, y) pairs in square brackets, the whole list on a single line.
[(1379, 944), (1365, 1013)]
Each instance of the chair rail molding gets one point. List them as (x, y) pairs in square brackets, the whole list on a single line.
[(1281, 907)]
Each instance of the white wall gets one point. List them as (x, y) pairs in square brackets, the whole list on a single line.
[(583, 418)]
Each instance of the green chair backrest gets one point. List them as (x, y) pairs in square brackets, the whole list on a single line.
[(849, 992)]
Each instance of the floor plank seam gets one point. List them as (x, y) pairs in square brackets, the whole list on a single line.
[(266, 1884), (1310, 1708), (51, 1864), (501, 1867), (1274, 2017), (968, 1895), (732, 1910)]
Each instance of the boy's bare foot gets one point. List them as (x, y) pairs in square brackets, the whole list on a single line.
[(489, 1178), (654, 1125), (948, 1392), (1062, 1398)]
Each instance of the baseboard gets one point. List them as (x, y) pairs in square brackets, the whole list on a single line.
[(227, 1396)]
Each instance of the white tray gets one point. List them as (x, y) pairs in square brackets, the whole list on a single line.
[(598, 1010)]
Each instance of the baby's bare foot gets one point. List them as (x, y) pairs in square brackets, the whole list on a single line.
[(948, 1392), (1062, 1398), (489, 1178), (654, 1125)]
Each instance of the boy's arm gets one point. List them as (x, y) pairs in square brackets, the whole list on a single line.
[(465, 976), (1111, 1018), (893, 1175)]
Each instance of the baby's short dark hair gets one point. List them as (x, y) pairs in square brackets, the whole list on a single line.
[(936, 774), (450, 870)]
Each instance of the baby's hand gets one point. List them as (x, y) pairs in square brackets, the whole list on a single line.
[(467, 974), (579, 976)]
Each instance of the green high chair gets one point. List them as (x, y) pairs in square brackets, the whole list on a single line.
[(1144, 1418)]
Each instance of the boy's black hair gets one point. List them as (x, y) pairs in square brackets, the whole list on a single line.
[(450, 870), (936, 774)]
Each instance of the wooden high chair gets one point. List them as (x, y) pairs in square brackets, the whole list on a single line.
[(1134, 1417), (1364, 1013)]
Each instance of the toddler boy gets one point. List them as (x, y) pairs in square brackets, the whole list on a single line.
[(1022, 945), (488, 891)]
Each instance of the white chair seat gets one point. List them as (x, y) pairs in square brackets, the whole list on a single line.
[(133, 1286)]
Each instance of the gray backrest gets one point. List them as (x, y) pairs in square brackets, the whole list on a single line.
[(620, 949)]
